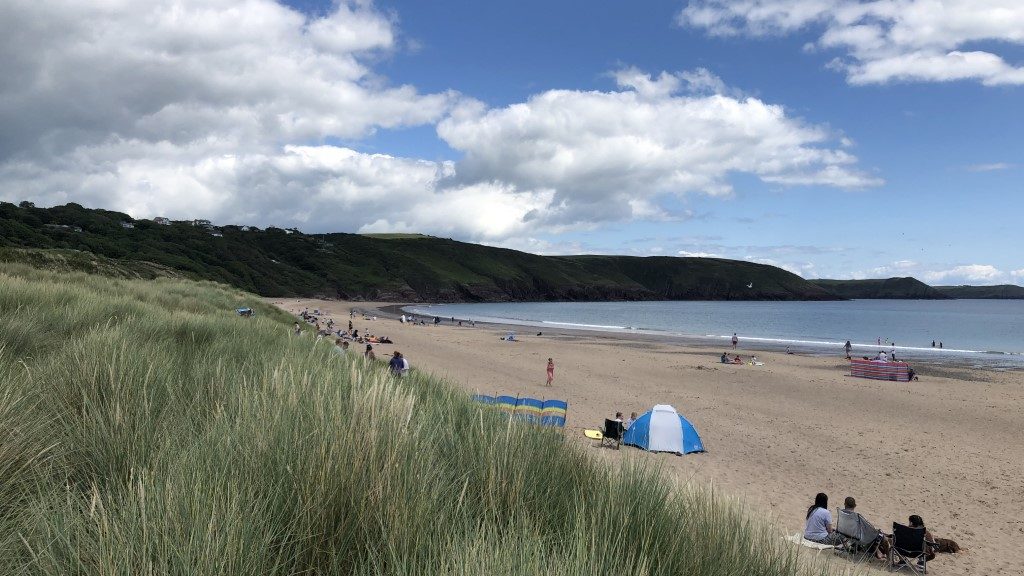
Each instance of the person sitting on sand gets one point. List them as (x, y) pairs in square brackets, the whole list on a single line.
[(737, 360), (298, 329), (632, 418), (818, 523), (368, 354), (725, 358)]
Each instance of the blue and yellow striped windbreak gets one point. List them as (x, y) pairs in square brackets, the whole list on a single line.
[(529, 409), (543, 412), (553, 413), (506, 403)]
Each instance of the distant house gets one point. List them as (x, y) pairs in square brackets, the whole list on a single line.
[(202, 224), (289, 231), (162, 220), (245, 228), (127, 225), (216, 234)]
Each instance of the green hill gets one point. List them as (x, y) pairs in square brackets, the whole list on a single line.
[(1000, 292), (148, 429), (888, 288), (402, 267)]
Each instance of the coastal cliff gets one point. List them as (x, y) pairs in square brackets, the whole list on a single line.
[(906, 288), (397, 267)]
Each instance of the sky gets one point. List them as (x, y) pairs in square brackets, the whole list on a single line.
[(833, 138)]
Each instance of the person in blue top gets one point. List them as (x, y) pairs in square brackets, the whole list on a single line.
[(818, 527), (396, 364)]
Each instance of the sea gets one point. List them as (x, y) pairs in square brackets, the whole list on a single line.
[(982, 333)]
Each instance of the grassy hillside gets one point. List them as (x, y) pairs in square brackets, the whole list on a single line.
[(1002, 291), (888, 288), (147, 429), (406, 267)]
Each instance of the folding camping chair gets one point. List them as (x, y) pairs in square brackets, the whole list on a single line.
[(612, 433), (858, 537), (908, 549)]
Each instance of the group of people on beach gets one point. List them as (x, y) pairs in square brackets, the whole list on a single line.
[(725, 359), (625, 423), (398, 364), (818, 528)]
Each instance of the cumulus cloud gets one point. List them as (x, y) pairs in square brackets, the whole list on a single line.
[(612, 155), (189, 108), (885, 40), (979, 273), (227, 111)]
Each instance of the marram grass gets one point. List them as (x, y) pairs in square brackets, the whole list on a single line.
[(146, 429)]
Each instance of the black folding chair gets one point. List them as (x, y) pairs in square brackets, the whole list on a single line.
[(908, 550), (612, 434)]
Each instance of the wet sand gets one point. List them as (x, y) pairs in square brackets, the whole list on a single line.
[(949, 447)]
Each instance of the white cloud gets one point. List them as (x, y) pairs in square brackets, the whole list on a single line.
[(612, 155), (222, 110), (688, 254), (885, 40), (802, 269), (189, 107), (980, 273), (992, 167)]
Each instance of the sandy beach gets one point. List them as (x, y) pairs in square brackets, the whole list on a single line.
[(949, 447)]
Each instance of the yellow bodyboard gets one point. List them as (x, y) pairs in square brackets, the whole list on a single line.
[(593, 434)]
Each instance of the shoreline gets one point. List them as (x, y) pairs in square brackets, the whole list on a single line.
[(953, 364)]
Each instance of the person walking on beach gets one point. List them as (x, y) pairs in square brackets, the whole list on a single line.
[(735, 340), (551, 371), (848, 347)]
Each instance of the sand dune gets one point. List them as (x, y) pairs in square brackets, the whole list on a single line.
[(949, 449)]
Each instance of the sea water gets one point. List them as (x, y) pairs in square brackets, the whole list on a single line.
[(980, 332)]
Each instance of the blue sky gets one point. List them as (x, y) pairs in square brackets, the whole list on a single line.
[(834, 138)]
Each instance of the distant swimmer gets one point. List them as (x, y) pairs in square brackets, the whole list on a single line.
[(751, 285)]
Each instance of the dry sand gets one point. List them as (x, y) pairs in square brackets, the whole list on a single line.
[(948, 447)]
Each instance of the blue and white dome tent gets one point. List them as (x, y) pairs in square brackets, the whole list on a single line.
[(662, 429)]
